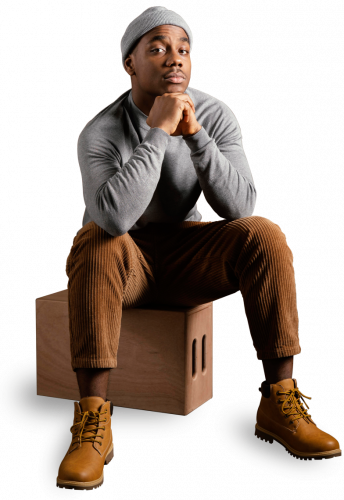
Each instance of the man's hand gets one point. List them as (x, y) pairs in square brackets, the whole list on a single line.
[(175, 113), (188, 125)]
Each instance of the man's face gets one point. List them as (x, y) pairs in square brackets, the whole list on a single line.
[(162, 50)]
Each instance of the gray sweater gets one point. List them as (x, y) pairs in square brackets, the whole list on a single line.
[(133, 174)]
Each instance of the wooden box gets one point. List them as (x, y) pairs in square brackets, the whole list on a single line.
[(164, 363)]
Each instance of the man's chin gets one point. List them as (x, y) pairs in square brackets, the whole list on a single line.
[(175, 87)]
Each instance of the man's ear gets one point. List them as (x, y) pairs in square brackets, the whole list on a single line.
[(129, 66)]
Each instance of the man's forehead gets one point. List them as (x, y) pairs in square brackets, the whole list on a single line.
[(152, 37)]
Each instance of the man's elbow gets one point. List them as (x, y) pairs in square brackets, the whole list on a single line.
[(246, 207), (110, 228)]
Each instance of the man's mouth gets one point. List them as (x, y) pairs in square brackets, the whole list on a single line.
[(175, 79)]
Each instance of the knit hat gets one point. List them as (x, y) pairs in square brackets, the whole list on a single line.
[(149, 19)]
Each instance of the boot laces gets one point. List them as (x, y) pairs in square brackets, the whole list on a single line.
[(295, 407), (89, 423)]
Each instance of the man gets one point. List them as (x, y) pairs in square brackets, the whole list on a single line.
[(145, 159)]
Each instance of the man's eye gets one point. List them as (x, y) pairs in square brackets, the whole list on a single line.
[(159, 48)]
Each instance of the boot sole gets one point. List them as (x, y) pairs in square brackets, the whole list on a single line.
[(89, 485), (265, 435)]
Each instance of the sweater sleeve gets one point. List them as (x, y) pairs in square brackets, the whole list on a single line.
[(222, 167), (116, 196)]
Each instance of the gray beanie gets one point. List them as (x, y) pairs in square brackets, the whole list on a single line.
[(149, 19)]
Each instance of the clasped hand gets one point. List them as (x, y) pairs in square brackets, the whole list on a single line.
[(175, 113), (188, 125)]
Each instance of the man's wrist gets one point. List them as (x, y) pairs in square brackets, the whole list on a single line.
[(193, 132)]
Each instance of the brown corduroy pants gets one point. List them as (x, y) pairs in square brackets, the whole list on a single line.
[(183, 264)]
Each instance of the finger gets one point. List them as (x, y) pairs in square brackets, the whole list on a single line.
[(186, 112), (186, 98), (190, 106), (189, 100), (186, 108)]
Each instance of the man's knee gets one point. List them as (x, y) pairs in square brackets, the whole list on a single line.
[(267, 231)]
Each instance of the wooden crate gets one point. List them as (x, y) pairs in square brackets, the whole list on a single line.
[(165, 356)]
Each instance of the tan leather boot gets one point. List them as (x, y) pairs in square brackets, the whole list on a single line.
[(91, 446), (282, 417)]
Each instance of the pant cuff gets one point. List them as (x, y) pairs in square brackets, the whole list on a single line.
[(93, 363), (281, 352)]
